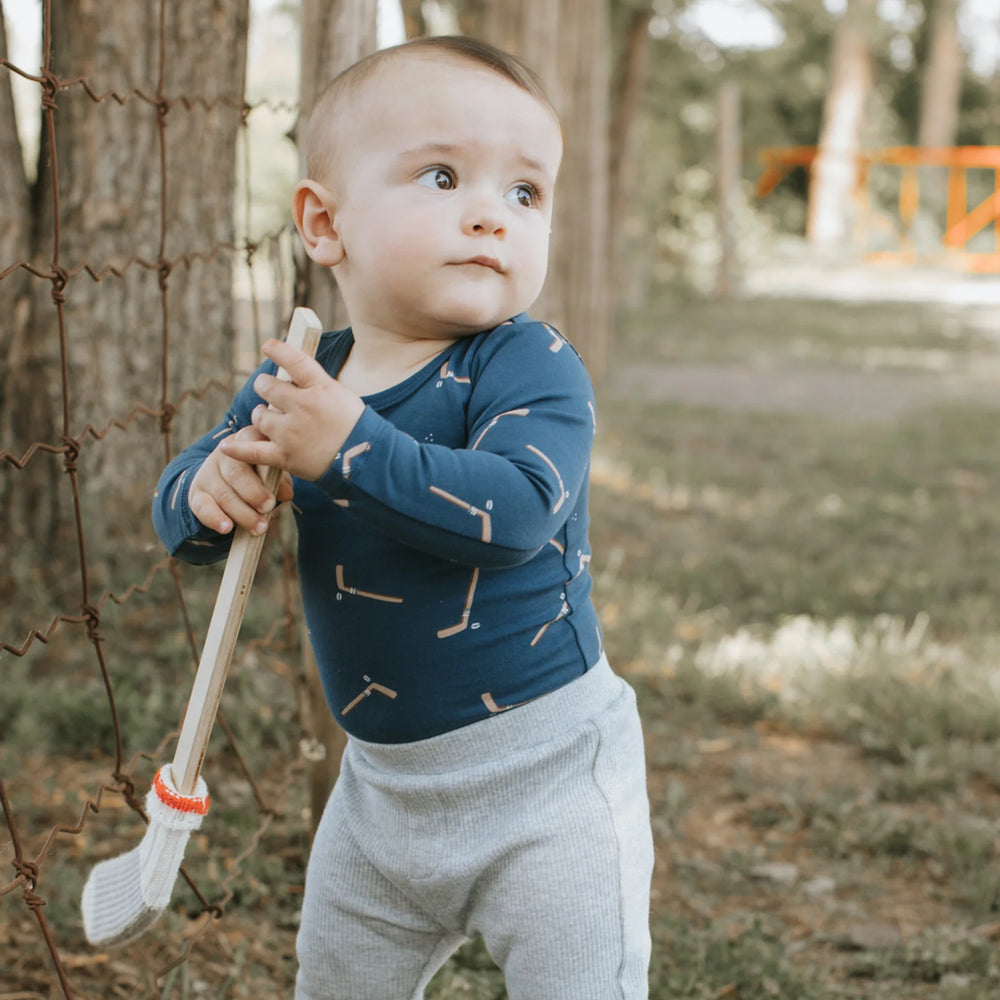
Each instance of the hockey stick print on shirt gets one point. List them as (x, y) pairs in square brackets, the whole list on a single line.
[(487, 521), (345, 465), (463, 622), (522, 412), (494, 708), (367, 693), (447, 373), (350, 454), (354, 592), (486, 534), (548, 461), (487, 530), (558, 341), (563, 612)]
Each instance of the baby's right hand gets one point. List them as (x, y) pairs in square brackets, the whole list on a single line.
[(225, 491)]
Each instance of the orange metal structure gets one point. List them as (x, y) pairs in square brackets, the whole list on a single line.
[(962, 221)]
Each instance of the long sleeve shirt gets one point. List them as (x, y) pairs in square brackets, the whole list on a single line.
[(443, 557)]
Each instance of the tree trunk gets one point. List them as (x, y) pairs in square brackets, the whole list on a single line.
[(15, 229), (835, 172), (15, 208), (567, 43), (942, 78), (629, 276), (334, 35), (134, 225), (413, 18), (727, 175), (940, 97)]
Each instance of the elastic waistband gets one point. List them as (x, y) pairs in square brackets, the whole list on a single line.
[(529, 725)]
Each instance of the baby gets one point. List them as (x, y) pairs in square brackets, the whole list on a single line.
[(438, 453)]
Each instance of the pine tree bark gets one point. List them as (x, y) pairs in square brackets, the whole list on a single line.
[(835, 171)]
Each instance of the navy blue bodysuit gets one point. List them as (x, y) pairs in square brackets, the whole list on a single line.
[(443, 557)]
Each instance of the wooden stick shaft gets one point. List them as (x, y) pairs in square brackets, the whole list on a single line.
[(230, 606)]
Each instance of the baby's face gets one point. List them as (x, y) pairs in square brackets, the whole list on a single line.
[(444, 199)]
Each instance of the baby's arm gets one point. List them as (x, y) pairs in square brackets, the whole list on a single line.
[(496, 501), (214, 483), (182, 534)]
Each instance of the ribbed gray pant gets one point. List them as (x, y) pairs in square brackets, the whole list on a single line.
[(530, 828)]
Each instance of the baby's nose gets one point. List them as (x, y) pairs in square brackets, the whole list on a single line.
[(490, 228), (484, 218)]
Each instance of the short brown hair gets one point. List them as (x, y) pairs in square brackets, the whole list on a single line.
[(318, 153)]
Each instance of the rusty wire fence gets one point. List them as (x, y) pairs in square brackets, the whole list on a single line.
[(72, 785)]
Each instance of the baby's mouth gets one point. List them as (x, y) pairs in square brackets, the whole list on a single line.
[(484, 261)]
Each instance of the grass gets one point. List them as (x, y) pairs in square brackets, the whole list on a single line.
[(831, 581), (679, 328), (749, 511), (806, 603)]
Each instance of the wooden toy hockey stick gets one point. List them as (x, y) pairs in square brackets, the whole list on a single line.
[(124, 896)]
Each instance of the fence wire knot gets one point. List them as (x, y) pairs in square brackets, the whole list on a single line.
[(60, 278), (163, 274), (50, 87), (71, 452), (92, 617), (125, 785), (28, 871), (167, 417)]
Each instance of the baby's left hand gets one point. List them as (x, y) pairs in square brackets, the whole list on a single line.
[(308, 421)]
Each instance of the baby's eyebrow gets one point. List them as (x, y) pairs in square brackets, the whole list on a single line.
[(450, 149), (533, 164), (429, 147)]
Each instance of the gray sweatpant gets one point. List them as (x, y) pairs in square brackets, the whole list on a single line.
[(530, 828)]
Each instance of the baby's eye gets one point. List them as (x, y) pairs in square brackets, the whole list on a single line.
[(524, 194), (438, 177)]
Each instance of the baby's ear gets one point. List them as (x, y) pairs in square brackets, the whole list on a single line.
[(313, 210)]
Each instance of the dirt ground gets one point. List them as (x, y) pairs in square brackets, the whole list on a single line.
[(742, 844)]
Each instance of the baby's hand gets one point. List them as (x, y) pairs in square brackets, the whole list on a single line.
[(308, 420), (226, 490)]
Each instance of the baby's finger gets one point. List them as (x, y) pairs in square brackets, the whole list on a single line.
[(301, 368), (252, 451), (245, 482), (234, 507), (208, 512)]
